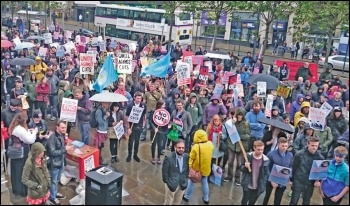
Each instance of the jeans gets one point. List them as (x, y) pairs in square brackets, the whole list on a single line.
[(157, 142), (205, 189), (301, 188), (278, 194), (113, 147), (84, 128), (232, 155), (53, 98), (249, 197), (32, 106), (328, 201), (55, 174), (42, 106), (134, 140)]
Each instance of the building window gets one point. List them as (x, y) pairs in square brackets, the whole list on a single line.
[(209, 31), (184, 37), (100, 11)]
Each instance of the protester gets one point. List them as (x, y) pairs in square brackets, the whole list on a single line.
[(101, 115), (256, 128), (83, 115)]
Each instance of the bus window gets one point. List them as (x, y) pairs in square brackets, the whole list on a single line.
[(112, 13), (100, 11), (184, 31), (122, 13), (154, 17), (184, 17), (184, 37), (111, 30), (140, 15), (123, 34)]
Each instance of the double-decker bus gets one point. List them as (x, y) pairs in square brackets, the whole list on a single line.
[(126, 24)]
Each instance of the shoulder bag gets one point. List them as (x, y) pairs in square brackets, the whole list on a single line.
[(196, 176), (14, 150)]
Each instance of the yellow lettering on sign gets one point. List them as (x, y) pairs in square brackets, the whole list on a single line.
[(283, 91)]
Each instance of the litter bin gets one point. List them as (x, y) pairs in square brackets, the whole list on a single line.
[(103, 187), (280, 51)]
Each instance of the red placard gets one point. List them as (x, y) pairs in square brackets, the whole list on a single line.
[(203, 76), (197, 60), (187, 53), (161, 117), (225, 78), (231, 81), (295, 65)]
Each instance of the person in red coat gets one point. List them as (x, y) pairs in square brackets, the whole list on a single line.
[(42, 95)]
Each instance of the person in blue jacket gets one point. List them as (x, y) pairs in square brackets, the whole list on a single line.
[(256, 128)]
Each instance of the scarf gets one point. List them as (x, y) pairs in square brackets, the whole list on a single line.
[(213, 130)]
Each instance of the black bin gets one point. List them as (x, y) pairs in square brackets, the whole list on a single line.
[(103, 186)]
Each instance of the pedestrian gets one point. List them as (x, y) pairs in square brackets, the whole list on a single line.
[(301, 167), (256, 128), (80, 18), (83, 115), (200, 160), (56, 151), (42, 95), (281, 157), (214, 132), (336, 185), (101, 115), (36, 176), (53, 81), (254, 181), (175, 174)]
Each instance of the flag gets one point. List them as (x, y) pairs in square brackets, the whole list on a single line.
[(159, 68), (107, 75)]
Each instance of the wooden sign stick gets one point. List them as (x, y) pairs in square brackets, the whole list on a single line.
[(244, 155), (154, 137)]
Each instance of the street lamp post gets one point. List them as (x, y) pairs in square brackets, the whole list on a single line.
[(87, 18)]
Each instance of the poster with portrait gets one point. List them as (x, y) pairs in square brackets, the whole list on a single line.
[(183, 73), (280, 175), (317, 117), (319, 169)]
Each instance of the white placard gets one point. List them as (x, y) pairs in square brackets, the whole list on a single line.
[(47, 38), (240, 90), (124, 63), (261, 87), (188, 60), (93, 53), (326, 107), (42, 52), (86, 63), (69, 110), (268, 106), (161, 117), (317, 117), (68, 34), (119, 130), (135, 114), (183, 73), (209, 64), (89, 163)]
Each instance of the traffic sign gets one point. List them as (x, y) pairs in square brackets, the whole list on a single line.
[(161, 117)]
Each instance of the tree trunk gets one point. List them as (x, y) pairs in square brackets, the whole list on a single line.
[(28, 20), (45, 10), (328, 49), (212, 48), (195, 41), (171, 31), (267, 30)]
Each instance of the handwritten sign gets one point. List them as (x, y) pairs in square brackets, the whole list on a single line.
[(94, 53), (209, 64), (42, 52), (319, 169), (326, 107), (135, 114), (225, 77), (232, 133), (295, 65), (280, 175), (188, 60), (268, 106), (89, 163), (69, 110), (86, 63), (232, 82), (183, 73), (203, 75), (47, 38), (119, 130), (161, 117), (317, 117), (124, 63), (218, 89), (283, 91), (261, 86)]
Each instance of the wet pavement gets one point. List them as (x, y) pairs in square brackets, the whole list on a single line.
[(143, 182)]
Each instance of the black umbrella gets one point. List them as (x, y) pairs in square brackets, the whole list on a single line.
[(22, 61), (271, 81), (277, 124), (35, 37)]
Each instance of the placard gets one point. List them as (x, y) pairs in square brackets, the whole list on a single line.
[(119, 130), (83, 40), (93, 52), (218, 89), (86, 63), (232, 80), (68, 34), (225, 77), (280, 175), (326, 107), (188, 60), (268, 106), (240, 90), (179, 124), (161, 117), (42, 52), (261, 86), (317, 117), (124, 63), (216, 177), (203, 76), (102, 46), (55, 35), (89, 163), (135, 114), (47, 38), (69, 109), (59, 52), (209, 64), (283, 91), (197, 60), (319, 169), (183, 73), (232, 133)]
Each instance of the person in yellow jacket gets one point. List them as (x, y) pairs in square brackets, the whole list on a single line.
[(200, 160), (39, 69), (304, 112)]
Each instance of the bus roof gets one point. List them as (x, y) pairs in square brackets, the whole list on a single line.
[(130, 8)]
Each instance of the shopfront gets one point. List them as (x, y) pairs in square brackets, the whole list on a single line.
[(279, 31), (243, 26)]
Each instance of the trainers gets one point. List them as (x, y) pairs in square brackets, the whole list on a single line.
[(184, 198), (53, 118), (48, 116), (55, 202), (136, 158), (205, 202), (60, 196), (128, 159), (238, 183), (226, 179)]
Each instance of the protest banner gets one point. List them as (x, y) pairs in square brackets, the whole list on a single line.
[(280, 175), (218, 89), (161, 117), (135, 114), (179, 124), (232, 80), (317, 117), (188, 60), (232, 133), (187, 53), (55, 35), (183, 73), (124, 63), (68, 34), (216, 177), (197, 60), (225, 77), (86, 63), (83, 40), (119, 130), (42, 52), (326, 107), (240, 90), (69, 109), (319, 169), (261, 86), (283, 90), (59, 52), (47, 38), (203, 76), (94, 53), (239, 80), (295, 65), (268, 106), (209, 64)]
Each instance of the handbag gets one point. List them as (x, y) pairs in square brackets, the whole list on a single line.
[(223, 147), (14, 151), (193, 175)]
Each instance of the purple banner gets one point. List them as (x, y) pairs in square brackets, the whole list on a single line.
[(208, 16)]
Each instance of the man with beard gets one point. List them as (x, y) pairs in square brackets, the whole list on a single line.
[(175, 173), (256, 128)]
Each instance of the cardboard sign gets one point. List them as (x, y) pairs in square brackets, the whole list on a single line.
[(183, 73), (261, 86), (317, 117), (55, 35), (124, 63), (119, 130), (283, 91), (68, 34), (268, 106), (326, 107), (135, 114), (203, 75), (240, 90), (89, 163), (280, 175), (47, 38), (161, 117), (319, 169), (232, 133), (209, 64), (94, 53), (218, 89), (232, 80), (197, 60), (42, 52), (188, 60), (59, 52), (86, 64), (69, 110), (295, 65), (179, 124), (225, 77)]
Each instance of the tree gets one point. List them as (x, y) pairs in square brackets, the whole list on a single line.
[(268, 12), (326, 16)]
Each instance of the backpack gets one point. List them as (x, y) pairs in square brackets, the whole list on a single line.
[(93, 122)]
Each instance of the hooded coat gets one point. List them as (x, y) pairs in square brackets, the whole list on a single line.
[(295, 107), (73, 86), (317, 95), (170, 102), (212, 109), (201, 153), (299, 114), (39, 69), (195, 111), (31, 87), (34, 175)]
